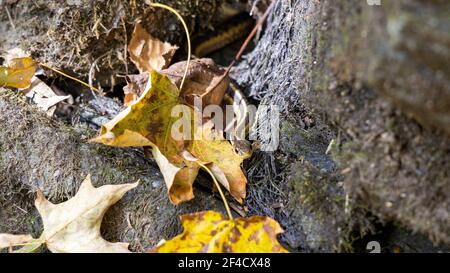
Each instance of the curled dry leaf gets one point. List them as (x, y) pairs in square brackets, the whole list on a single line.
[(10, 240), (147, 52), (18, 73), (202, 74), (149, 122), (212, 232), (74, 225)]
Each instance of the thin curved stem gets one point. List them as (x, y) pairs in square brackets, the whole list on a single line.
[(70, 77), (158, 5), (241, 50), (227, 208)]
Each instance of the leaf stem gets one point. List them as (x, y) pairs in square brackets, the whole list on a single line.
[(31, 245), (227, 208), (174, 11), (70, 77)]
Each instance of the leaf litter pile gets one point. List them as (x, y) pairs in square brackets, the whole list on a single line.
[(147, 121)]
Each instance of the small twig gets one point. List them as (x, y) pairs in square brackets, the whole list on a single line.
[(68, 76), (10, 18), (91, 70), (21, 209), (242, 49), (125, 48), (238, 210)]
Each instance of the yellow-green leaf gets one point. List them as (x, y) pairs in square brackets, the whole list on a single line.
[(18, 73), (212, 232), (149, 122)]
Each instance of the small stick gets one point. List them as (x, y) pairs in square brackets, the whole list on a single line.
[(68, 76), (241, 51), (92, 71), (10, 18)]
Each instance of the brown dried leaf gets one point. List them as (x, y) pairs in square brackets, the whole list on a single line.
[(135, 87), (202, 74), (44, 96), (147, 52)]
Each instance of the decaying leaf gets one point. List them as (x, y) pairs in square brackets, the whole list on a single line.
[(147, 52), (17, 73), (74, 225), (136, 85), (212, 232), (223, 161), (202, 74), (44, 96), (10, 240), (148, 122)]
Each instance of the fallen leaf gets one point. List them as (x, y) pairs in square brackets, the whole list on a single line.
[(74, 225), (202, 74), (136, 85), (147, 52), (10, 240), (212, 232), (210, 146), (148, 122), (44, 96), (17, 73)]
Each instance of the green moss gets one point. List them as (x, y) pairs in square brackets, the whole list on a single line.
[(346, 154)]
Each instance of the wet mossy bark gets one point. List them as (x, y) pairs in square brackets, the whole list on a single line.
[(374, 79)]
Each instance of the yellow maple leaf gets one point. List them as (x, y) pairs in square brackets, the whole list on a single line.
[(209, 146), (18, 73), (74, 225), (212, 232), (149, 122)]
